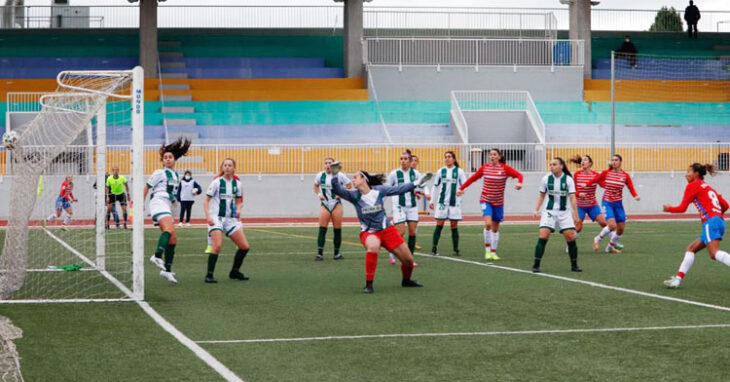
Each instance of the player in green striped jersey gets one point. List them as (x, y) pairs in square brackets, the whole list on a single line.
[(405, 206), (330, 208), (559, 210), (163, 184), (447, 203), (222, 206)]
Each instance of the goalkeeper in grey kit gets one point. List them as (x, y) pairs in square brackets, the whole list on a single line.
[(376, 230)]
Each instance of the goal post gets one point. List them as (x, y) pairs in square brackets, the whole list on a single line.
[(58, 250)]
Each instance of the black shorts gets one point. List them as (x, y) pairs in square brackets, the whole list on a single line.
[(121, 198)]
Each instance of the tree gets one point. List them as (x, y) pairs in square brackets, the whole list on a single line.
[(667, 20)]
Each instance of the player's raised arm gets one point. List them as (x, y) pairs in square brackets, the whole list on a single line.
[(689, 195)]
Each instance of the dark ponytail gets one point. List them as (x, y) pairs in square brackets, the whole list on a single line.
[(373, 180), (178, 148), (703, 169), (453, 155), (408, 152), (565, 166), (502, 159)]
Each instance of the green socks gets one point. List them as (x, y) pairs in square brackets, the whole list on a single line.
[(212, 259), (573, 252), (455, 239), (412, 243), (539, 251), (437, 235), (320, 239), (162, 243), (169, 255), (238, 260), (337, 240)]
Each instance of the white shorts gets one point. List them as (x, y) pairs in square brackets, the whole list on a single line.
[(444, 212), (159, 207), (404, 214), (330, 204), (552, 220), (227, 225)]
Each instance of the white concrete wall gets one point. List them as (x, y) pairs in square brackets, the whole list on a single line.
[(427, 83), (291, 196)]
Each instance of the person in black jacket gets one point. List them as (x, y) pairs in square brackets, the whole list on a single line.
[(692, 16), (628, 51), (186, 192)]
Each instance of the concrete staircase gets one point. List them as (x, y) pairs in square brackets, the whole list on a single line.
[(173, 67)]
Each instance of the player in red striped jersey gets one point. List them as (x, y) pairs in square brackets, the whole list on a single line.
[(63, 202), (615, 179), (587, 204), (711, 207), (495, 174)]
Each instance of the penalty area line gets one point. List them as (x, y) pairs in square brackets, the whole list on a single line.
[(584, 282), (469, 334)]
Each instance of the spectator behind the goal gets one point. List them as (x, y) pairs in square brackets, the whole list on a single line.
[(628, 51), (692, 16), (186, 193)]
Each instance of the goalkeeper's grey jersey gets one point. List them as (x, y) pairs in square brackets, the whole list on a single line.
[(369, 207)]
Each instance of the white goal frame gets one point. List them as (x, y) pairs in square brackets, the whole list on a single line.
[(136, 99)]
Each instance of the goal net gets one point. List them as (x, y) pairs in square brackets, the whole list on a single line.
[(56, 245)]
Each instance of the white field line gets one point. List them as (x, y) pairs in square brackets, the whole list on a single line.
[(468, 334), (584, 282), (203, 355)]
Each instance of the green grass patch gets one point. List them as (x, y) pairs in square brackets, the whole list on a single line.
[(292, 296)]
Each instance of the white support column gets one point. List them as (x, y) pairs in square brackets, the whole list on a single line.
[(100, 187), (138, 182)]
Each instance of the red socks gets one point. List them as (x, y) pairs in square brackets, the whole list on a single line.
[(371, 262), (406, 270)]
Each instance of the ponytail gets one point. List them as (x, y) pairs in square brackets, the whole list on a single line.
[(373, 180), (576, 159), (703, 169), (178, 148)]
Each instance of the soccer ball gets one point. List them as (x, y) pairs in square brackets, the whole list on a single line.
[(10, 139)]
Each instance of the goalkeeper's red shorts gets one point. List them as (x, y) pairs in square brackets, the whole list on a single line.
[(389, 238)]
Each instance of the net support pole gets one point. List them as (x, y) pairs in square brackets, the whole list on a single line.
[(100, 187), (138, 182), (613, 103)]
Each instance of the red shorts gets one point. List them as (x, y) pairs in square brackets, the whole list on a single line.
[(389, 238)]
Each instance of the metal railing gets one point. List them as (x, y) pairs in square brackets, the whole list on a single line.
[(724, 24), (472, 52), (457, 117), (374, 93), (602, 19), (24, 102), (380, 21), (415, 22), (498, 100), (307, 159)]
